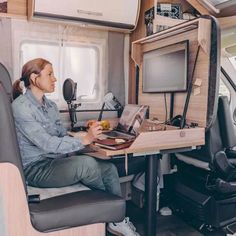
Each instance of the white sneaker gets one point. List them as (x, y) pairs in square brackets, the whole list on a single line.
[(124, 228)]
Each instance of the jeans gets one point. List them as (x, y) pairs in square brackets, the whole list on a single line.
[(61, 172)]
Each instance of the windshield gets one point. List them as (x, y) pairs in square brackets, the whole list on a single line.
[(233, 61)]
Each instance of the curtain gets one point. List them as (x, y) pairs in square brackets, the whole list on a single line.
[(116, 77)]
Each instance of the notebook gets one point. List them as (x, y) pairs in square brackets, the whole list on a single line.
[(129, 122)]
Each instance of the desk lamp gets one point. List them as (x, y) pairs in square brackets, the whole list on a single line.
[(110, 103)]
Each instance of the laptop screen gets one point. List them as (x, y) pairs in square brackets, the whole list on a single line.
[(132, 118)]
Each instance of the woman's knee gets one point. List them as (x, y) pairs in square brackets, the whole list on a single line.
[(113, 168), (90, 162), (83, 161), (108, 168), (89, 167)]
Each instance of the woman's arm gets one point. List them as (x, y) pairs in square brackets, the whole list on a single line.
[(36, 133)]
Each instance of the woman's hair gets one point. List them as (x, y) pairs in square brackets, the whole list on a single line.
[(34, 66)]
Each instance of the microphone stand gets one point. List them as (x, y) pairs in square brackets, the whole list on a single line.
[(72, 112)]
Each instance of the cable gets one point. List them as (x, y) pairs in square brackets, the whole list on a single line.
[(183, 120), (165, 107)]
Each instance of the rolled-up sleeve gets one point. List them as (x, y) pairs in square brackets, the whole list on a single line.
[(37, 134)]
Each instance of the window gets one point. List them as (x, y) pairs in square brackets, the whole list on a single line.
[(77, 53), (223, 90), (233, 61), (77, 61), (48, 51), (81, 65)]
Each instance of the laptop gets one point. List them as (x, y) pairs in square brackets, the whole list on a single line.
[(129, 123)]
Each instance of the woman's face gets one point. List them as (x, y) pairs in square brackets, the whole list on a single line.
[(46, 80)]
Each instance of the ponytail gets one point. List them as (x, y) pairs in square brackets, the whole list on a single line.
[(16, 90)]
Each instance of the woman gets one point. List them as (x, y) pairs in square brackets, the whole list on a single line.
[(44, 142)]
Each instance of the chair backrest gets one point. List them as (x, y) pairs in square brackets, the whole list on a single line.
[(5, 80), (227, 128), (213, 144), (9, 148)]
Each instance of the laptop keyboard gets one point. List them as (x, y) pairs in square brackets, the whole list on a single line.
[(117, 134)]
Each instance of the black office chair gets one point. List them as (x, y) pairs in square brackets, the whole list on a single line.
[(76, 214)]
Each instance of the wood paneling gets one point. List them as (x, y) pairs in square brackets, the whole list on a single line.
[(17, 7), (227, 22), (139, 33), (199, 7), (156, 141), (197, 110)]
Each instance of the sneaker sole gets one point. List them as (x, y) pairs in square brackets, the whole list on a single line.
[(114, 232)]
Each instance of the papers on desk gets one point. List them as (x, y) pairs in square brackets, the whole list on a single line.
[(113, 144)]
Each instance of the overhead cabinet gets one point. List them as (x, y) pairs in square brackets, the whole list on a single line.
[(118, 14)]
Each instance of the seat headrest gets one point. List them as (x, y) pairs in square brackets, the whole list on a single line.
[(5, 80)]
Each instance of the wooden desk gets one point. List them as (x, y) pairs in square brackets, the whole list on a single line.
[(153, 145)]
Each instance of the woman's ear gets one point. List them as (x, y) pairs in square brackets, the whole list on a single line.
[(33, 77)]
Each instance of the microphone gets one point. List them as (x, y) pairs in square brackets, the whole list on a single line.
[(69, 90), (69, 94)]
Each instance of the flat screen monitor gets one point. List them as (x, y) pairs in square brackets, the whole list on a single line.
[(166, 69)]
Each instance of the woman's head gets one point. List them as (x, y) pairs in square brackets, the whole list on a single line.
[(36, 73)]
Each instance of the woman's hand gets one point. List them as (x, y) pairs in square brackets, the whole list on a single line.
[(94, 132)]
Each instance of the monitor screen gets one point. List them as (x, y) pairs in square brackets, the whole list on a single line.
[(166, 69)]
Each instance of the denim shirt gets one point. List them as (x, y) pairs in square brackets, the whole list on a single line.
[(39, 130)]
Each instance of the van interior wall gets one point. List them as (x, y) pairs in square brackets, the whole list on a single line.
[(116, 78), (15, 31), (197, 109), (198, 102), (198, 105), (140, 32)]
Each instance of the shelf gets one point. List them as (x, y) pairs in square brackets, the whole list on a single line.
[(13, 16)]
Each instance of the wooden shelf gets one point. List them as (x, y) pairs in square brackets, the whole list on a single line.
[(13, 16), (198, 33), (203, 26)]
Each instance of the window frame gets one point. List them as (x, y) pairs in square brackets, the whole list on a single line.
[(98, 74)]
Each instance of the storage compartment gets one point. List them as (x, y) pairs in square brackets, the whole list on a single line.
[(106, 13), (213, 210)]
